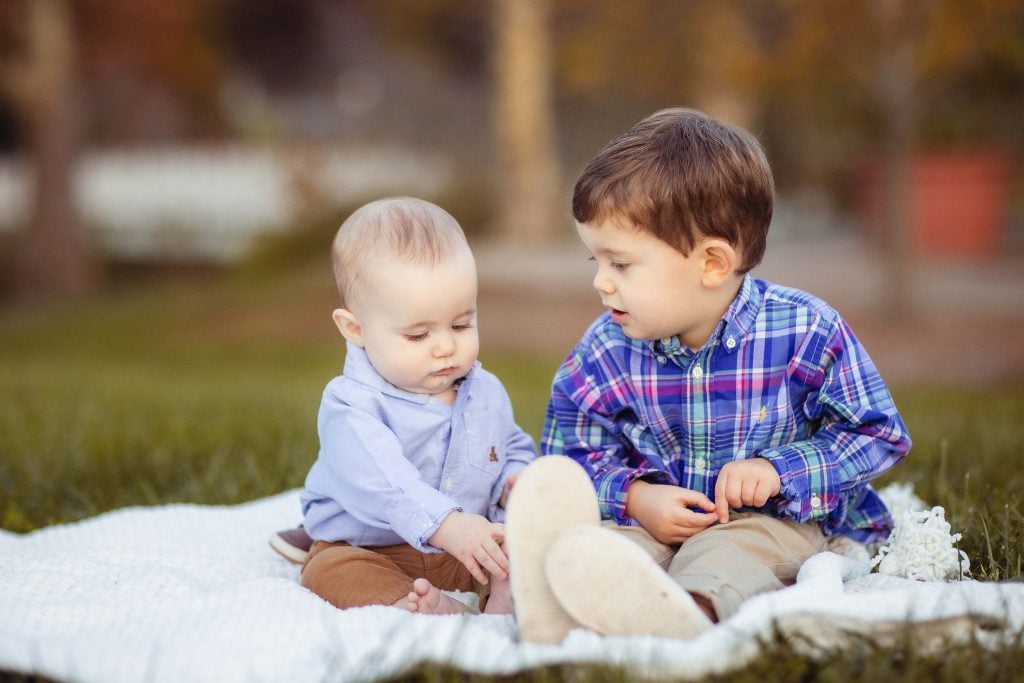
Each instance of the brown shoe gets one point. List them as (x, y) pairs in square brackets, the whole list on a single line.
[(292, 544)]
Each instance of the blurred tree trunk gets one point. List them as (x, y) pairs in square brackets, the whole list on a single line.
[(529, 184), (723, 61), (899, 24), (53, 255)]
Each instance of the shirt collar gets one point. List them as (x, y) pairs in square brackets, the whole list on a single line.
[(359, 368), (739, 318), (735, 324)]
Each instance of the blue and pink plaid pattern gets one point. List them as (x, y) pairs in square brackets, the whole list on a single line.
[(783, 378)]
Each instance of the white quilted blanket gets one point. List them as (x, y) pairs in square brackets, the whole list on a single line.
[(185, 592)]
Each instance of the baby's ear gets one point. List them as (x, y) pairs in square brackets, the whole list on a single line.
[(719, 259), (348, 325)]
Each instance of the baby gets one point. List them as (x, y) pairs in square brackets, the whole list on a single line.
[(418, 445)]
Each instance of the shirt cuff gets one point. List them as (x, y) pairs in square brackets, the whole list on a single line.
[(417, 521), (612, 486), (800, 498)]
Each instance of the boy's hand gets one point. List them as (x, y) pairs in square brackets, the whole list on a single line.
[(745, 482), (503, 501), (664, 510), (473, 541)]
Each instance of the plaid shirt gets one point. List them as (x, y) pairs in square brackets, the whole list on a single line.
[(782, 378)]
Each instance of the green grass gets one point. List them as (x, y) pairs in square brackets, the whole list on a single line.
[(208, 392)]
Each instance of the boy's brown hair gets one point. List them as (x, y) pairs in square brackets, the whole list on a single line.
[(681, 175)]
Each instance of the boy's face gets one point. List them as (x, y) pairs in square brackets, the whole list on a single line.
[(652, 290), (417, 323)]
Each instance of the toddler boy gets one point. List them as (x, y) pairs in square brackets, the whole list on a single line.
[(728, 426), (418, 445)]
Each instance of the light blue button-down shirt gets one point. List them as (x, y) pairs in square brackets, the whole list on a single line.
[(393, 463)]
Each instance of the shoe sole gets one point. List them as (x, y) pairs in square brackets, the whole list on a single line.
[(287, 550), (613, 587), (553, 493)]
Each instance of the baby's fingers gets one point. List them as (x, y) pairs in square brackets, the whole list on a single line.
[(497, 554), (492, 561), (474, 568)]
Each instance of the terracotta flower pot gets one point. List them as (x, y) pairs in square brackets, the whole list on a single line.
[(958, 208)]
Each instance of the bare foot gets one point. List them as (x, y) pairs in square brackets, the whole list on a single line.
[(426, 599), (500, 600)]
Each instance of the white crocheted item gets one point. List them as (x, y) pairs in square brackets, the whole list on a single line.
[(921, 547), (899, 497)]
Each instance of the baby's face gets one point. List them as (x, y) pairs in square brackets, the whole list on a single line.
[(418, 323)]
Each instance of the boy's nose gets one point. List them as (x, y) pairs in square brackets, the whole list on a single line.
[(602, 283)]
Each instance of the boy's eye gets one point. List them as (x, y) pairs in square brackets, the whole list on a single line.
[(618, 265), (416, 337), (460, 327)]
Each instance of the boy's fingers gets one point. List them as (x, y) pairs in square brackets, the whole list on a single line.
[(748, 491), (697, 498), (763, 493), (721, 504)]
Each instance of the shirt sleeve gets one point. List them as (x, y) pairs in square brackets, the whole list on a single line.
[(520, 452), (860, 434), (365, 470), (580, 426)]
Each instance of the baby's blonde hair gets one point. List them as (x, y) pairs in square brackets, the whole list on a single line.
[(404, 228)]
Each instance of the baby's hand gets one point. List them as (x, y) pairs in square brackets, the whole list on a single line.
[(473, 541), (503, 501), (665, 510), (745, 482)]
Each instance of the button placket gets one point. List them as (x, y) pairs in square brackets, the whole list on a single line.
[(701, 422)]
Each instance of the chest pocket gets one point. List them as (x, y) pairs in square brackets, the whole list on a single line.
[(485, 451)]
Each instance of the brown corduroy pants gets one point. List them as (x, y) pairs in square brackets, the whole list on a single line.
[(351, 576)]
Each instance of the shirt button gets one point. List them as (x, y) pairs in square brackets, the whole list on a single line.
[(699, 464), (448, 484), (698, 372), (815, 502), (730, 343), (661, 360)]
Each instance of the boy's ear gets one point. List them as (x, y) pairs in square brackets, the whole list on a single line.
[(349, 326), (719, 261)]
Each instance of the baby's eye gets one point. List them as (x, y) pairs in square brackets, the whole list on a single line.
[(416, 337), (618, 265), (461, 327)]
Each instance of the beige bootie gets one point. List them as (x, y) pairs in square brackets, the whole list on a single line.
[(550, 495), (612, 586)]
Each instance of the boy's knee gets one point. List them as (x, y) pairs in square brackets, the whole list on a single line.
[(726, 576)]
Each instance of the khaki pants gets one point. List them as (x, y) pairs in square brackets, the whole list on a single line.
[(350, 576), (727, 564)]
